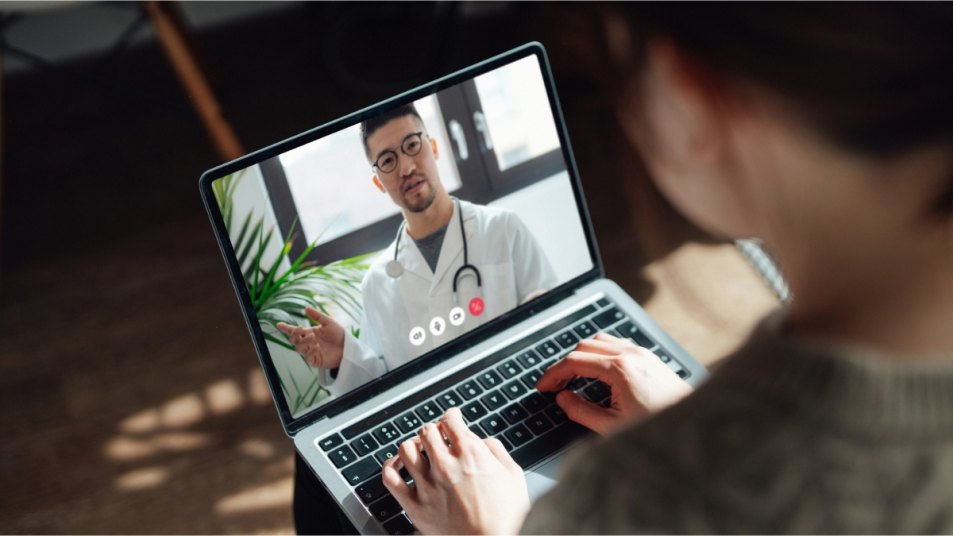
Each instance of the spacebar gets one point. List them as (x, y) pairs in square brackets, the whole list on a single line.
[(543, 446)]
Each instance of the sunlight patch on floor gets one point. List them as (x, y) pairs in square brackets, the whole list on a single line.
[(224, 397), (144, 478), (271, 495)]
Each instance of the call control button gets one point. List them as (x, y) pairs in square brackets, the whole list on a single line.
[(476, 306), (437, 326), (418, 336), (457, 316)]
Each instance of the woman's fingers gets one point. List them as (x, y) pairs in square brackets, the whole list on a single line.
[(576, 364), (498, 450), (414, 462), (455, 428), (433, 442), (395, 483), (604, 344), (594, 417)]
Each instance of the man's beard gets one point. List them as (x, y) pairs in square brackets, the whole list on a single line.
[(424, 203)]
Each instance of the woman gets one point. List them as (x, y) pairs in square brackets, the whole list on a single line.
[(827, 131)]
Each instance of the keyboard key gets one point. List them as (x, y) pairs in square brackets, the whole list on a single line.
[(597, 392), (514, 389), (386, 433), (493, 424), (361, 471), (342, 456), (473, 411), (577, 383), (469, 389), (406, 476), (509, 369), (385, 508), (567, 339), (556, 414), (371, 490), (429, 411), (518, 434), (585, 329), (602, 302), (364, 445), (628, 330), (548, 349), (677, 367), (386, 453), (494, 400), (607, 318), (534, 402), (489, 379), (529, 359), (539, 424), (399, 525), (514, 413), (330, 442), (449, 400), (408, 422), (542, 447), (663, 356), (530, 378), (505, 442), (475, 428)]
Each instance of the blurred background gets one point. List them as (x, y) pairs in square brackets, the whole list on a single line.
[(130, 394)]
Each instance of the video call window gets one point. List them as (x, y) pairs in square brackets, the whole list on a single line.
[(309, 227)]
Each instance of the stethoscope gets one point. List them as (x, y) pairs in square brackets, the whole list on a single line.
[(395, 269)]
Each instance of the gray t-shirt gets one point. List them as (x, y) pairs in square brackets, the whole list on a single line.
[(430, 245)]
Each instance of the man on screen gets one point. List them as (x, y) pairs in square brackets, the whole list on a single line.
[(415, 295)]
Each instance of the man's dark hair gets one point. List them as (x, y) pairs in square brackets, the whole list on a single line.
[(368, 126)]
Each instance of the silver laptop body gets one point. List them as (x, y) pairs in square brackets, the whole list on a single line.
[(467, 106)]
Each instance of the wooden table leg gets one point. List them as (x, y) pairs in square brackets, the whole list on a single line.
[(172, 30)]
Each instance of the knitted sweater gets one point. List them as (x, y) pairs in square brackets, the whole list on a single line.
[(785, 437)]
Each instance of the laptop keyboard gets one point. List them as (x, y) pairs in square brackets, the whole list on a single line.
[(498, 398)]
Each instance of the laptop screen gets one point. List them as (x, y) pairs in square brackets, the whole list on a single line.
[(406, 227)]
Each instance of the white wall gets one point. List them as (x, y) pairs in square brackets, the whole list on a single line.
[(250, 195), (548, 208)]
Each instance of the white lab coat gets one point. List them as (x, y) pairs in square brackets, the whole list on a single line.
[(512, 267)]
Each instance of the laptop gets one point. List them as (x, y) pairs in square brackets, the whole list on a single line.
[(305, 223)]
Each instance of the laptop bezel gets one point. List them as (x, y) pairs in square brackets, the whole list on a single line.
[(294, 424)]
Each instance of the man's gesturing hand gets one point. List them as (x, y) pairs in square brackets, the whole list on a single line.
[(641, 384), (462, 484), (322, 346)]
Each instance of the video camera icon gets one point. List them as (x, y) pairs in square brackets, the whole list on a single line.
[(457, 316)]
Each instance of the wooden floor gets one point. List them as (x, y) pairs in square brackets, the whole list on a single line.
[(130, 395)]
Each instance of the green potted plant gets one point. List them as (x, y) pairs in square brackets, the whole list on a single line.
[(281, 294)]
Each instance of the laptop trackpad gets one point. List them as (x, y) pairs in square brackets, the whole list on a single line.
[(543, 477)]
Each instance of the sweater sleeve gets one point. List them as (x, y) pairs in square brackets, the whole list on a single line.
[(595, 497)]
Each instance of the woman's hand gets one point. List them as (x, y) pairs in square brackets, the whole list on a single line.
[(462, 484), (641, 384), (322, 346)]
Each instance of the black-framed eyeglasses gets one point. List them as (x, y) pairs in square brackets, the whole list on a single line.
[(410, 146)]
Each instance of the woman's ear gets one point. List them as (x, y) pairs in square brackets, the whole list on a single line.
[(686, 103), (377, 182), (433, 146)]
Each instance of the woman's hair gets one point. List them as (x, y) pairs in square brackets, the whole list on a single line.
[(874, 77)]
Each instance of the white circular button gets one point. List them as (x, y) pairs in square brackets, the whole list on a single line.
[(437, 325), (457, 316), (418, 336)]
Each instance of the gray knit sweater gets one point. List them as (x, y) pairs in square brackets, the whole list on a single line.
[(785, 437)]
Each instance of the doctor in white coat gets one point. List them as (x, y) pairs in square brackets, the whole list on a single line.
[(453, 265)]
